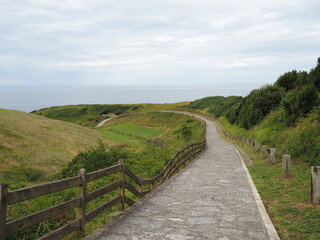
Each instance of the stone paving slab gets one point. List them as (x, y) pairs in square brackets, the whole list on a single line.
[(210, 199)]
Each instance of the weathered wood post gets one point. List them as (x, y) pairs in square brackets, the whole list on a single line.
[(153, 184), (81, 211), (3, 210), (122, 186), (273, 155), (264, 151), (256, 146), (140, 186), (286, 166), (315, 184)]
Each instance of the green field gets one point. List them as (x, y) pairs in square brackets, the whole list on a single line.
[(115, 136), (128, 132)]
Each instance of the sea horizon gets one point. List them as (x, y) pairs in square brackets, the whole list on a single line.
[(31, 98)]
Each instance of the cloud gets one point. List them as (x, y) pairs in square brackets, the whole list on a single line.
[(138, 42)]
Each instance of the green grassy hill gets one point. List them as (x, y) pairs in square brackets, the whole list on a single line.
[(90, 115), (29, 142)]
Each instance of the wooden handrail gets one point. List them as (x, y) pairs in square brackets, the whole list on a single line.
[(40, 190), (101, 191), (103, 173), (136, 179), (12, 197), (22, 223)]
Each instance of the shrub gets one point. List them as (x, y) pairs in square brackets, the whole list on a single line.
[(298, 102), (258, 104), (233, 113), (314, 75), (94, 159), (288, 80), (306, 145), (33, 175), (185, 133)]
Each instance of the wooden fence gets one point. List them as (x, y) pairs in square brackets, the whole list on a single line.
[(179, 160)]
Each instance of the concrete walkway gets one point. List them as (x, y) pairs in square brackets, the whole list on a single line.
[(211, 199)]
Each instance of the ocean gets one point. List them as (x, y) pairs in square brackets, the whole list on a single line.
[(33, 98)]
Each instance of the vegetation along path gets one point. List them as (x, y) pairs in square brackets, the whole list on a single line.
[(213, 198)]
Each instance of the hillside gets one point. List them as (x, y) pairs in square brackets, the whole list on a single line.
[(29, 142), (90, 115)]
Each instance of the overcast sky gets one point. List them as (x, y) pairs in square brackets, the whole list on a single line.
[(156, 42)]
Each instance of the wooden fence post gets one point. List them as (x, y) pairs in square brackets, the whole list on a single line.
[(122, 186), (153, 184), (3, 210), (81, 211), (273, 155), (315, 184), (286, 166), (256, 146), (140, 186), (264, 151)]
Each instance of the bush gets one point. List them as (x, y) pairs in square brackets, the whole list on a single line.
[(258, 104), (185, 133), (298, 102), (205, 102), (233, 113), (94, 159), (223, 106), (217, 105), (306, 145), (288, 80), (314, 76), (33, 175)]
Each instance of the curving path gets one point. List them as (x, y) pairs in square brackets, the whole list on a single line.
[(213, 198)]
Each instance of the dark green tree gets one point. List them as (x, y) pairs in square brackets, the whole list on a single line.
[(299, 101)]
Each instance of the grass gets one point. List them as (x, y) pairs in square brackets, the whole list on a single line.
[(136, 130), (162, 135), (90, 115), (115, 136), (28, 141)]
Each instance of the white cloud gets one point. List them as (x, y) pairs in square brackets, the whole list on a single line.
[(130, 40)]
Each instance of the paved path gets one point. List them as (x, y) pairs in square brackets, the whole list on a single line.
[(211, 199)]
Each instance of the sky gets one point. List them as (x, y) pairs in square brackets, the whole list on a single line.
[(155, 43)]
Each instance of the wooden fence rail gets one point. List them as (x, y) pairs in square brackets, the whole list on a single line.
[(179, 160)]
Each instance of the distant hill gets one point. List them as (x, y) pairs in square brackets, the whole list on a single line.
[(90, 115), (29, 142)]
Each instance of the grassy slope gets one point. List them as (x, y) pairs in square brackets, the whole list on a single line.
[(154, 136), (28, 140), (136, 130), (91, 114)]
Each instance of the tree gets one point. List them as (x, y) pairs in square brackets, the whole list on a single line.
[(299, 101)]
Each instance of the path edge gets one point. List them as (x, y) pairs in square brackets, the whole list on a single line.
[(273, 235)]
